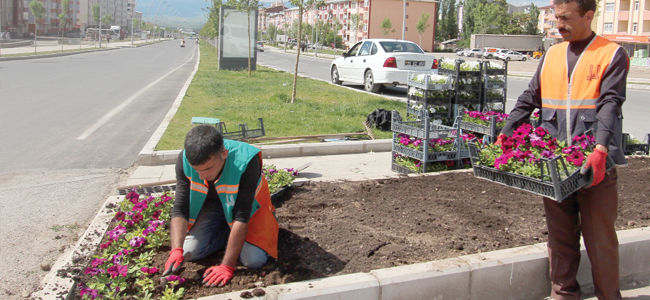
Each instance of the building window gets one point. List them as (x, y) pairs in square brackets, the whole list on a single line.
[(608, 27), (609, 7), (407, 16), (366, 3), (634, 27), (636, 6)]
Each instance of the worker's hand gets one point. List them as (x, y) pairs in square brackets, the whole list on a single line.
[(596, 160), (174, 261), (500, 139), (218, 275)]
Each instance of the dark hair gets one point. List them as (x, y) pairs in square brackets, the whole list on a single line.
[(584, 5), (201, 143)]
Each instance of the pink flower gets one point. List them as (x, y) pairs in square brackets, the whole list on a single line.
[(106, 245), (156, 214), (547, 153), (116, 232), (137, 218), (98, 262), (140, 206), (119, 216), (159, 203), (92, 271), (174, 279), (117, 270), (417, 142), (577, 158), (149, 271), (165, 198), (88, 291), (272, 171), (137, 241), (133, 196)]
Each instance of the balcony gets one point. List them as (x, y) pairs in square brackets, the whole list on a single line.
[(623, 15)]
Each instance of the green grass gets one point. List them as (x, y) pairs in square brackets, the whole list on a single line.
[(320, 107)]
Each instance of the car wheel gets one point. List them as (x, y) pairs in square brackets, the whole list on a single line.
[(523, 58), (508, 58), (369, 83), (335, 75)]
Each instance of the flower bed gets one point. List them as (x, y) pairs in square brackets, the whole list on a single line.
[(123, 265), (534, 161)]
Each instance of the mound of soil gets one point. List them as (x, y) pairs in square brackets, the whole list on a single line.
[(329, 229)]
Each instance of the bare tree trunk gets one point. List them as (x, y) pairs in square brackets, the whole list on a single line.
[(295, 73)]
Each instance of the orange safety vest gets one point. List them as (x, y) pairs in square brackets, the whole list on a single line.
[(569, 100)]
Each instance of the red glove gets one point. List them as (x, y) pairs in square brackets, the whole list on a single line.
[(596, 160), (174, 261), (500, 139), (218, 275)]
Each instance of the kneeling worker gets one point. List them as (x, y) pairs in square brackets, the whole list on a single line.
[(222, 199)]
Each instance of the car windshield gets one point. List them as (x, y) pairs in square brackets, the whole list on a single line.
[(397, 46)]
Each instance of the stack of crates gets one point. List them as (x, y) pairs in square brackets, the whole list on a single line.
[(429, 95), (495, 85), (468, 82)]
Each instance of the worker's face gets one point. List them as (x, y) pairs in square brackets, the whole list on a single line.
[(570, 24), (212, 167)]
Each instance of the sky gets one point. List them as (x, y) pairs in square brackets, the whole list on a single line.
[(190, 11)]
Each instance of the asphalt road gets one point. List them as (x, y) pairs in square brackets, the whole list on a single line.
[(635, 109), (70, 128)]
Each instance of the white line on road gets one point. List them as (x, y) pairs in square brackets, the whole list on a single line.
[(126, 102)]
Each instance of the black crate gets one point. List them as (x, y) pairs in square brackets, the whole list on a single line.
[(425, 113), (631, 149), (280, 195), (149, 189), (495, 85), (427, 85), (501, 71), (243, 133), (495, 99), (551, 186), (431, 156), (403, 170)]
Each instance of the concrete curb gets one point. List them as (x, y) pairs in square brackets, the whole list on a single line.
[(10, 58), (515, 273), (148, 157)]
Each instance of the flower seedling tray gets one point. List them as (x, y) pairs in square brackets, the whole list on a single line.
[(495, 85), (427, 84), (429, 99), (551, 186), (423, 113), (492, 71), (631, 149), (431, 156), (495, 99), (424, 129), (460, 73)]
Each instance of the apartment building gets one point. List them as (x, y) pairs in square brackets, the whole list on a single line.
[(371, 14), (626, 22), (548, 23)]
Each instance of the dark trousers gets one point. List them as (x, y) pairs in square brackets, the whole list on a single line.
[(592, 212)]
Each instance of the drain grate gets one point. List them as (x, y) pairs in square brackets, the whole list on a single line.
[(149, 189)]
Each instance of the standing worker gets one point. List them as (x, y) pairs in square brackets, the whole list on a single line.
[(222, 200), (580, 85)]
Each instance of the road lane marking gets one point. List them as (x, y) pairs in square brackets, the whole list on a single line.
[(101, 121)]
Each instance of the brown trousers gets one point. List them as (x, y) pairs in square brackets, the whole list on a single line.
[(592, 212)]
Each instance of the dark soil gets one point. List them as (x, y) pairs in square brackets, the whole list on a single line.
[(329, 229)]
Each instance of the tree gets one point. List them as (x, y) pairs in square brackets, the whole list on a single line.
[(531, 26), (65, 6), (246, 6), (272, 32), (422, 25), (355, 21), (211, 27), (447, 28), (96, 12), (303, 5), (386, 27), (38, 10)]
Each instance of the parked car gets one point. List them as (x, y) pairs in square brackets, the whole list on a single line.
[(381, 62), (260, 46), (500, 52), (472, 52), (460, 51), (514, 55)]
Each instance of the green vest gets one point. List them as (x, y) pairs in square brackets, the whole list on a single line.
[(227, 186)]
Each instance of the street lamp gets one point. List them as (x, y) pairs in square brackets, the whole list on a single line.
[(132, 19), (161, 16), (154, 25)]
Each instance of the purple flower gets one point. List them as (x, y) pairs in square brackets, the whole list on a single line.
[(149, 199), (547, 153), (137, 218), (417, 142), (165, 198), (272, 171), (98, 262), (140, 206), (119, 216), (88, 291), (157, 223), (136, 241), (92, 271), (156, 214), (173, 278), (117, 270), (106, 245), (149, 271), (116, 232)]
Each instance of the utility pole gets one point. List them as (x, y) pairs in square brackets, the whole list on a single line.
[(100, 24), (404, 21), (154, 18)]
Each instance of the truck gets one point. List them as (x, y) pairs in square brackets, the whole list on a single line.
[(526, 44)]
